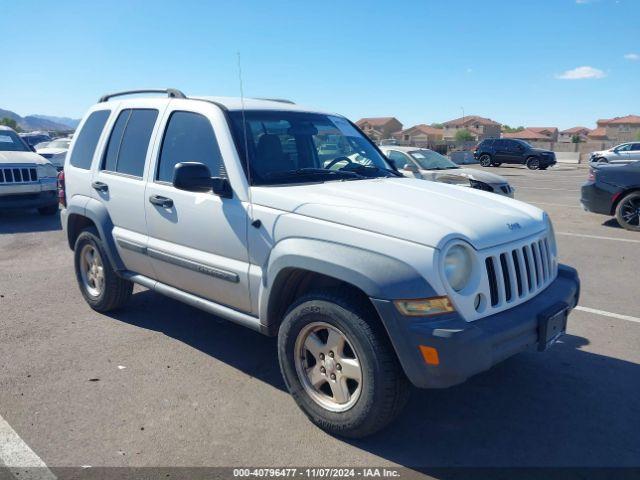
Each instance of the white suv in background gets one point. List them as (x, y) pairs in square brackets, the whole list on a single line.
[(26, 179), (371, 281)]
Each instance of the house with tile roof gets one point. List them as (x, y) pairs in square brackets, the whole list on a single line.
[(379, 128), (531, 135), (479, 127), (566, 136), (421, 135), (622, 129)]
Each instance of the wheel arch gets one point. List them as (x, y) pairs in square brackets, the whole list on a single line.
[(303, 264), (621, 195), (85, 213)]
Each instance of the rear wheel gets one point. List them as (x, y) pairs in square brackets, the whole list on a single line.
[(100, 286), (339, 365), (533, 163), (48, 210), (485, 160), (628, 212)]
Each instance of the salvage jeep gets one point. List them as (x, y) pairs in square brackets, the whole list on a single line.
[(290, 221)]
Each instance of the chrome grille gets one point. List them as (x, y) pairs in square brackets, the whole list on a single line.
[(519, 272), (18, 175)]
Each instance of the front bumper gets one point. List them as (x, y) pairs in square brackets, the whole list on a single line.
[(29, 200), (467, 348)]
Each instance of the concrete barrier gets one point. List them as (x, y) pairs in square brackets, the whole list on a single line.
[(568, 157)]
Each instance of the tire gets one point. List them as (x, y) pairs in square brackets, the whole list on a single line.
[(485, 160), (100, 286), (48, 210), (533, 163), (628, 212), (366, 406)]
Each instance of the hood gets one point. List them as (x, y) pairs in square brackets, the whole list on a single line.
[(427, 213), (51, 151), (465, 173), (22, 158)]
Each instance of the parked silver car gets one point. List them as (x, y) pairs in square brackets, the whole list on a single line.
[(429, 165), (625, 152)]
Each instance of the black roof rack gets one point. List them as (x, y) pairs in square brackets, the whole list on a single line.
[(171, 92), (281, 100)]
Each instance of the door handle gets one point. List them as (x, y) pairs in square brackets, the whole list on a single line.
[(161, 201), (101, 187)]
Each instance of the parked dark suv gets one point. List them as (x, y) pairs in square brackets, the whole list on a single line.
[(496, 151)]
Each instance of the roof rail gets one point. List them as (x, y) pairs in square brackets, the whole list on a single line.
[(281, 100), (171, 92)]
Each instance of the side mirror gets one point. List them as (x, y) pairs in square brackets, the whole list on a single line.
[(196, 177), (192, 176), (410, 167)]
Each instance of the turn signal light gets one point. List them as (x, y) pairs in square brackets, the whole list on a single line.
[(424, 307), (430, 355)]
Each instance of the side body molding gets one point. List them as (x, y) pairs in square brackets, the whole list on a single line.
[(377, 275)]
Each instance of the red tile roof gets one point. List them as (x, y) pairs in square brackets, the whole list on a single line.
[(376, 121), (422, 128), (551, 130), (598, 133), (628, 120), (526, 134), (470, 119), (573, 130)]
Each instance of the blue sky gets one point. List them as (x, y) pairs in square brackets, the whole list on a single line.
[(421, 61)]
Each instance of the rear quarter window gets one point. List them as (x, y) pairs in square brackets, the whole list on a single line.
[(87, 139)]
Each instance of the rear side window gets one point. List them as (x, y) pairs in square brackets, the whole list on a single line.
[(87, 139), (129, 141), (189, 137)]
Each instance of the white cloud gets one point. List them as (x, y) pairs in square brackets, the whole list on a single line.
[(581, 73), (632, 56)]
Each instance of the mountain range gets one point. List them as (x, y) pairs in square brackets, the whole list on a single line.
[(40, 122)]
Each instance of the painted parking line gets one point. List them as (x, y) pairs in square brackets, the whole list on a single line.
[(628, 318), (597, 237), (19, 459)]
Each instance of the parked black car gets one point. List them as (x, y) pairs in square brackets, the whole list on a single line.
[(614, 189), (496, 151)]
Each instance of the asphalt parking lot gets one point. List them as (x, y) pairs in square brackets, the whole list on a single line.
[(163, 384)]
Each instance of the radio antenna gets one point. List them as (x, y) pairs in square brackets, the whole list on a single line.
[(246, 140)]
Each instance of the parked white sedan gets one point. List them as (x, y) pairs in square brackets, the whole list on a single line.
[(55, 151), (429, 165)]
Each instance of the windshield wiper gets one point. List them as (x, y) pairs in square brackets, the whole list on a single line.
[(312, 172), (369, 169)]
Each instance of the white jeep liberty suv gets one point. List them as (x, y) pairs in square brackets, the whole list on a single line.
[(370, 280)]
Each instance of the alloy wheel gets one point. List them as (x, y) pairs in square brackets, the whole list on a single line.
[(328, 367)]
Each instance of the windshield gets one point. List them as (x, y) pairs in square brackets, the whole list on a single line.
[(59, 144), (430, 160), (298, 147), (11, 142)]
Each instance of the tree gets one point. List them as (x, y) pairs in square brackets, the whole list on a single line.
[(508, 129), (437, 125), (638, 136), (576, 139), (464, 136), (11, 123)]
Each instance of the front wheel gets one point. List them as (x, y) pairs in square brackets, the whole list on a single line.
[(485, 160), (533, 163), (100, 286), (628, 212), (339, 365)]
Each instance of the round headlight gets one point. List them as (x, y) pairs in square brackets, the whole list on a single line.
[(457, 267)]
